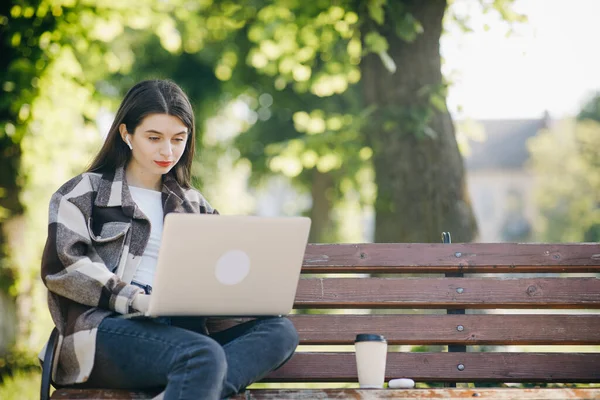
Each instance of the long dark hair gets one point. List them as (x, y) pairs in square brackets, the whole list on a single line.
[(148, 97)]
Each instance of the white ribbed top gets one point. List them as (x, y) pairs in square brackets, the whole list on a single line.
[(150, 202)]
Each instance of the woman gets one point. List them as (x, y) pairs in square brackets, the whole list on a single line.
[(103, 237)]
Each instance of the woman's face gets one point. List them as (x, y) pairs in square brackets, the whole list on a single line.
[(158, 143)]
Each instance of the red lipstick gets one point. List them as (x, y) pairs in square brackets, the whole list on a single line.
[(163, 163)]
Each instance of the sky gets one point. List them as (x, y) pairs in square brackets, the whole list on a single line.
[(551, 62)]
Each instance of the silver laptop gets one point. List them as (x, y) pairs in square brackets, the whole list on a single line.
[(218, 265)]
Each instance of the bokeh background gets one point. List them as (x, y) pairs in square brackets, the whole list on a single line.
[(382, 120)]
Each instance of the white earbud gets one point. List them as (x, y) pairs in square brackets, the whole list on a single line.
[(128, 142)]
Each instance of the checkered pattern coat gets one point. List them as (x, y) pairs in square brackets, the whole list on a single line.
[(96, 238)]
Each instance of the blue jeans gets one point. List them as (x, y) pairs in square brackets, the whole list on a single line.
[(177, 353)]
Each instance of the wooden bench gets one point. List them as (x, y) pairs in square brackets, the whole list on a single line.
[(523, 308)]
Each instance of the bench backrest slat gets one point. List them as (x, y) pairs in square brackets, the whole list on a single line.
[(331, 329), (461, 257), (448, 293), (493, 367)]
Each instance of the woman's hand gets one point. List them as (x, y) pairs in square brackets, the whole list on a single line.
[(141, 302)]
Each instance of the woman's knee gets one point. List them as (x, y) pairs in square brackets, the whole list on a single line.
[(203, 355), (291, 332), (285, 333), (286, 338), (199, 372)]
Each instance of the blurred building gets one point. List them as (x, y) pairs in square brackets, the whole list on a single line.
[(499, 180)]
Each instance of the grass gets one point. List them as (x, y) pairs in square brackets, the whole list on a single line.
[(22, 385)]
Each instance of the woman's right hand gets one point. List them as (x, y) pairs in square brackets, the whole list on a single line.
[(141, 302)]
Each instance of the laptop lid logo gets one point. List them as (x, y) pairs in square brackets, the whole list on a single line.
[(232, 267)]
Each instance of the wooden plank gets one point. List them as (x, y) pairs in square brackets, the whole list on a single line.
[(366, 394), (523, 329), (448, 293), (452, 329), (455, 257), (445, 367), (448, 394), (101, 394)]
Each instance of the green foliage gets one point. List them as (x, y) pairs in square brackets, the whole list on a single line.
[(376, 12), (420, 349), (566, 160), (288, 63), (22, 37), (591, 110), (407, 27), (58, 55), (459, 15), (314, 47), (20, 385), (18, 361), (375, 42), (466, 131), (505, 9)]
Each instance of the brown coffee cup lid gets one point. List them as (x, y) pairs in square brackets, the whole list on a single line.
[(369, 337)]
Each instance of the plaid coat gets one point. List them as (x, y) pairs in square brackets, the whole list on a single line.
[(96, 237)]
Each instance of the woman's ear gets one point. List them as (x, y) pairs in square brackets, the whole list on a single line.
[(123, 131), (125, 135)]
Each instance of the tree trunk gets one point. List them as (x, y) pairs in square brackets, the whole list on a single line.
[(419, 171), (320, 213)]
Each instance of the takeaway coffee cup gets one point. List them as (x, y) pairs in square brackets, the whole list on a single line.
[(371, 354)]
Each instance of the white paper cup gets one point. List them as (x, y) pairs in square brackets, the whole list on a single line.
[(371, 354)]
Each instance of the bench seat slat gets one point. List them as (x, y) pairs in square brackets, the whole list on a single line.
[(459, 257), (443, 367), (452, 394), (100, 394), (443, 329), (448, 293), (310, 394)]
